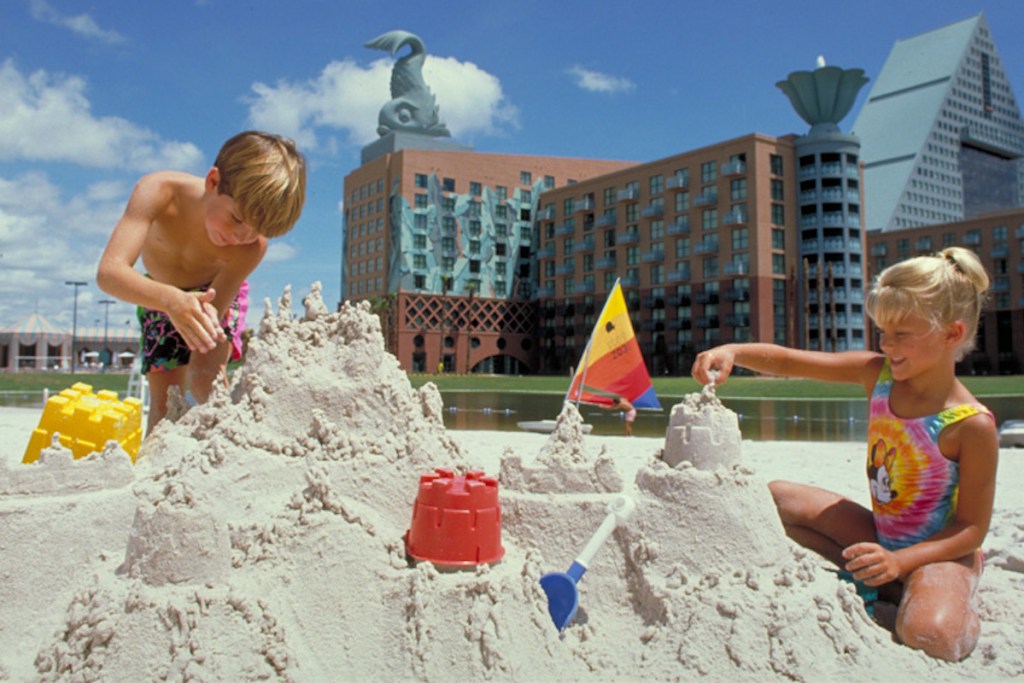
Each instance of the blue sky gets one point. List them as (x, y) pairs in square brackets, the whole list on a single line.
[(94, 93)]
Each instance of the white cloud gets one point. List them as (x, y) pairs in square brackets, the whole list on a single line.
[(348, 97), (280, 251), (46, 117), (595, 81), (82, 24), (46, 239)]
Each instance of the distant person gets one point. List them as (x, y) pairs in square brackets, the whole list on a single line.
[(932, 451), (199, 239), (628, 412)]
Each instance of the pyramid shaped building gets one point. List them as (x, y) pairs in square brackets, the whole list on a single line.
[(941, 134)]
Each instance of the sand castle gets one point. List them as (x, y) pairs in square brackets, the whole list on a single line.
[(262, 537)]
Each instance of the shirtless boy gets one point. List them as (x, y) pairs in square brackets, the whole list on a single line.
[(199, 239)]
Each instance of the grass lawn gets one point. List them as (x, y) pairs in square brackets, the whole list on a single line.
[(736, 387)]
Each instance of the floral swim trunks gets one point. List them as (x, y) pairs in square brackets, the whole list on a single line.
[(162, 347)]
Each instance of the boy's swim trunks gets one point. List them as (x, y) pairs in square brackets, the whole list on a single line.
[(162, 347)]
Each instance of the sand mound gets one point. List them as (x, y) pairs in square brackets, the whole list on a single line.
[(267, 543)]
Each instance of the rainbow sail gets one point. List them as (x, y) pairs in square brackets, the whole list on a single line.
[(612, 363)]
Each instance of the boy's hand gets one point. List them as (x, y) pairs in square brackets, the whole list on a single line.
[(872, 564), (195, 318)]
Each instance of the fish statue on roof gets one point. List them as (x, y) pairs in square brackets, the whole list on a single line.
[(413, 108)]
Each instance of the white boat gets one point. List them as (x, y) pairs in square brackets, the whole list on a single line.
[(547, 426), (612, 366), (1011, 434)]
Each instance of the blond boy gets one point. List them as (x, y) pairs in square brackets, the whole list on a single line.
[(199, 239)]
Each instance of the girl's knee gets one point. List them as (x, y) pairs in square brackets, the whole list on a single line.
[(943, 634)]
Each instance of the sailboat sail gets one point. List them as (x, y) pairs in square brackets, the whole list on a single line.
[(612, 364)]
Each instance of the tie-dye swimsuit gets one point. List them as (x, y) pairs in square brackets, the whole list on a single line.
[(162, 347), (913, 486)]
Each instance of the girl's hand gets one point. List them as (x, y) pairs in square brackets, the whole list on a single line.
[(195, 318), (713, 366), (872, 564)]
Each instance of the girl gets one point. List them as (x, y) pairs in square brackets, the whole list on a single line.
[(932, 451)]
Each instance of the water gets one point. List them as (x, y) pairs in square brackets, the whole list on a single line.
[(761, 419)]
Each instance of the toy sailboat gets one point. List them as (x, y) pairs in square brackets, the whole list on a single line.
[(612, 365)]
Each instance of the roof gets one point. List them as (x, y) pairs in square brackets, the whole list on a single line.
[(33, 328)]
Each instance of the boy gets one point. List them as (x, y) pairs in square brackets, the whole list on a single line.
[(199, 239)]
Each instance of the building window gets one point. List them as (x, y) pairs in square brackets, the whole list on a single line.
[(474, 266), (709, 172), (778, 190), (776, 164), (740, 238), (657, 229), (778, 214), (448, 204), (449, 184), (656, 184), (448, 245), (525, 178), (710, 267), (682, 201), (549, 182), (419, 241), (502, 192), (419, 221), (448, 225), (709, 219), (474, 246), (501, 230), (526, 196), (419, 281), (683, 247), (609, 238), (567, 206), (778, 239), (778, 264), (609, 196), (475, 188), (421, 180), (738, 189), (419, 261), (421, 201), (631, 255)]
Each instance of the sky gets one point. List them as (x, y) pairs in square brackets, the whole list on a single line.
[(96, 93)]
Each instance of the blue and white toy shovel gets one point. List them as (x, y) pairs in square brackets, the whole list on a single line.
[(563, 598)]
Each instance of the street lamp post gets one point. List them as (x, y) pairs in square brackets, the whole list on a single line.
[(106, 303), (74, 320)]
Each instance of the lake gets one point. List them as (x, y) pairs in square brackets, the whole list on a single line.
[(761, 419)]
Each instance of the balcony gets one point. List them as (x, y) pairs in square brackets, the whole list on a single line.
[(679, 324), (679, 299), (584, 204), (677, 276), (628, 193), (604, 263), (735, 269), (1000, 251), (653, 211), (677, 182), (737, 294), (546, 251), (810, 221), (582, 246), (565, 269), (629, 238), (545, 292), (565, 229), (706, 321), (1019, 233), (972, 239), (605, 220), (706, 297), (734, 218), (808, 171), (678, 229), (547, 214), (585, 287), (705, 199), (653, 256), (808, 246), (738, 320), (630, 281), (733, 168), (705, 248), (832, 168), (879, 250)]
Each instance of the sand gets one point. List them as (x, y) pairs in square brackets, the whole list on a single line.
[(261, 537)]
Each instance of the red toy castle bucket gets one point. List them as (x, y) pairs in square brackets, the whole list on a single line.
[(456, 520)]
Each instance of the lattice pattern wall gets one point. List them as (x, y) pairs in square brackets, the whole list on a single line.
[(428, 313)]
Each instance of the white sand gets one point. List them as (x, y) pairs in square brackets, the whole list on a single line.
[(260, 536)]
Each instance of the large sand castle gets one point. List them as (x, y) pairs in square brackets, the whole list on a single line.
[(260, 536)]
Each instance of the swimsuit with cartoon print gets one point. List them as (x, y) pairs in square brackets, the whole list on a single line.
[(162, 347), (913, 486)]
